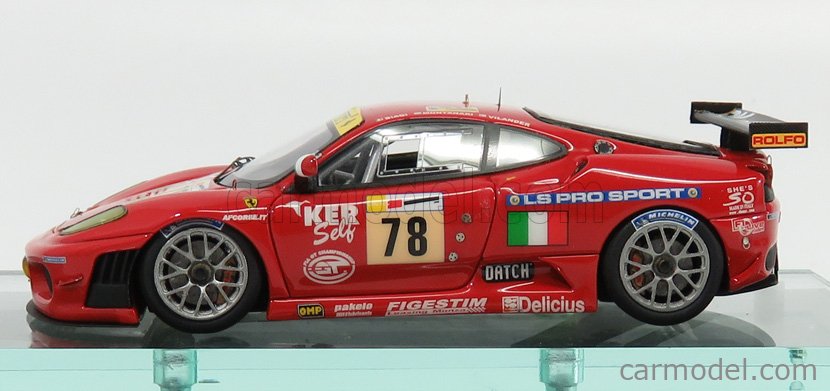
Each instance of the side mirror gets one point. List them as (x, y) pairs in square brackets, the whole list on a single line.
[(306, 174), (306, 166)]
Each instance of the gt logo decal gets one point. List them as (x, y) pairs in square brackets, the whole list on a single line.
[(404, 228), (251, 202), (328, 267)]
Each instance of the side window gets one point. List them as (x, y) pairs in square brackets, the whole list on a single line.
[(351, 166), (516, 147), (407, 149), (432, 147)]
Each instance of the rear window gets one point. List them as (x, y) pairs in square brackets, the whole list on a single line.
[(517, 147), (686, 146)]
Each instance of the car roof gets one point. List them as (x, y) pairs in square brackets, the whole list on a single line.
[(379, 114)]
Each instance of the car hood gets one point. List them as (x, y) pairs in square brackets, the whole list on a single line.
[(198, 179), (195, 184)]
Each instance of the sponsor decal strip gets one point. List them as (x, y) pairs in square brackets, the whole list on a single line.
[(351, 310), (503, 272), (437, 307), (741, 199), (330, 222), (453, 304), (563, 198), (779, 140), (545, 304), (306, 311), (537, 228), (247, 217), (746, 226)]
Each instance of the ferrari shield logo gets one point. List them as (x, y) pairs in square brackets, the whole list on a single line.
[(251, 202)]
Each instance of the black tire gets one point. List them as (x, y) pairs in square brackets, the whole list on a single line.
[(234, 310), (613, 267)]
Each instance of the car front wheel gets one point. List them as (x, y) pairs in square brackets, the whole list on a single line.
[(200, 279)]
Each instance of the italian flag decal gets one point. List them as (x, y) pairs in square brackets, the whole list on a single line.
[(537, 228)]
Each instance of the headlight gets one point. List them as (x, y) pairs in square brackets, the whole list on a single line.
[(99, 219)]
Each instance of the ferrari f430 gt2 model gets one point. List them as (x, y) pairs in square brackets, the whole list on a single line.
[(431, 209)]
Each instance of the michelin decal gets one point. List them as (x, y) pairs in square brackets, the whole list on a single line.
[(665, 215)]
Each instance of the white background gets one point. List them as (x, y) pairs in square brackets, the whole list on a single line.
[(98, 95)]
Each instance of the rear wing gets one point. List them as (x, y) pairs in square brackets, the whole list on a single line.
[(743, 130)]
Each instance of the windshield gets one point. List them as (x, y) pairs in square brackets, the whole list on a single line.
[(269, 168)]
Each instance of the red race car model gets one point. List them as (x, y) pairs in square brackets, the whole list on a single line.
[(431, 209)]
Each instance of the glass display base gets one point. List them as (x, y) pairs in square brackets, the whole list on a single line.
[(773, 339), (789, 314)]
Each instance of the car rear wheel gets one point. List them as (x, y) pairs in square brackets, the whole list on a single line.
[(664, 271), (200, 279)]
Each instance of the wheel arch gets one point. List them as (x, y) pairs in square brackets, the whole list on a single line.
[(170, 229), (723, 284)]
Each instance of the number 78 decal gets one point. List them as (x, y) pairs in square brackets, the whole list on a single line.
[(404, 228)]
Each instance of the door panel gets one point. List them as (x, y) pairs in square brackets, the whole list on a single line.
[(421, 237)]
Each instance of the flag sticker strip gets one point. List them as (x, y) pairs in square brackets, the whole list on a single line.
[(412, 202), (537, 228)]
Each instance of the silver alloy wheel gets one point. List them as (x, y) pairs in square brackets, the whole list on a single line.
[(664, 266), (200, 273)]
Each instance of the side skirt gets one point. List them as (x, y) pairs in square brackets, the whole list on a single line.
[(561, 285)]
